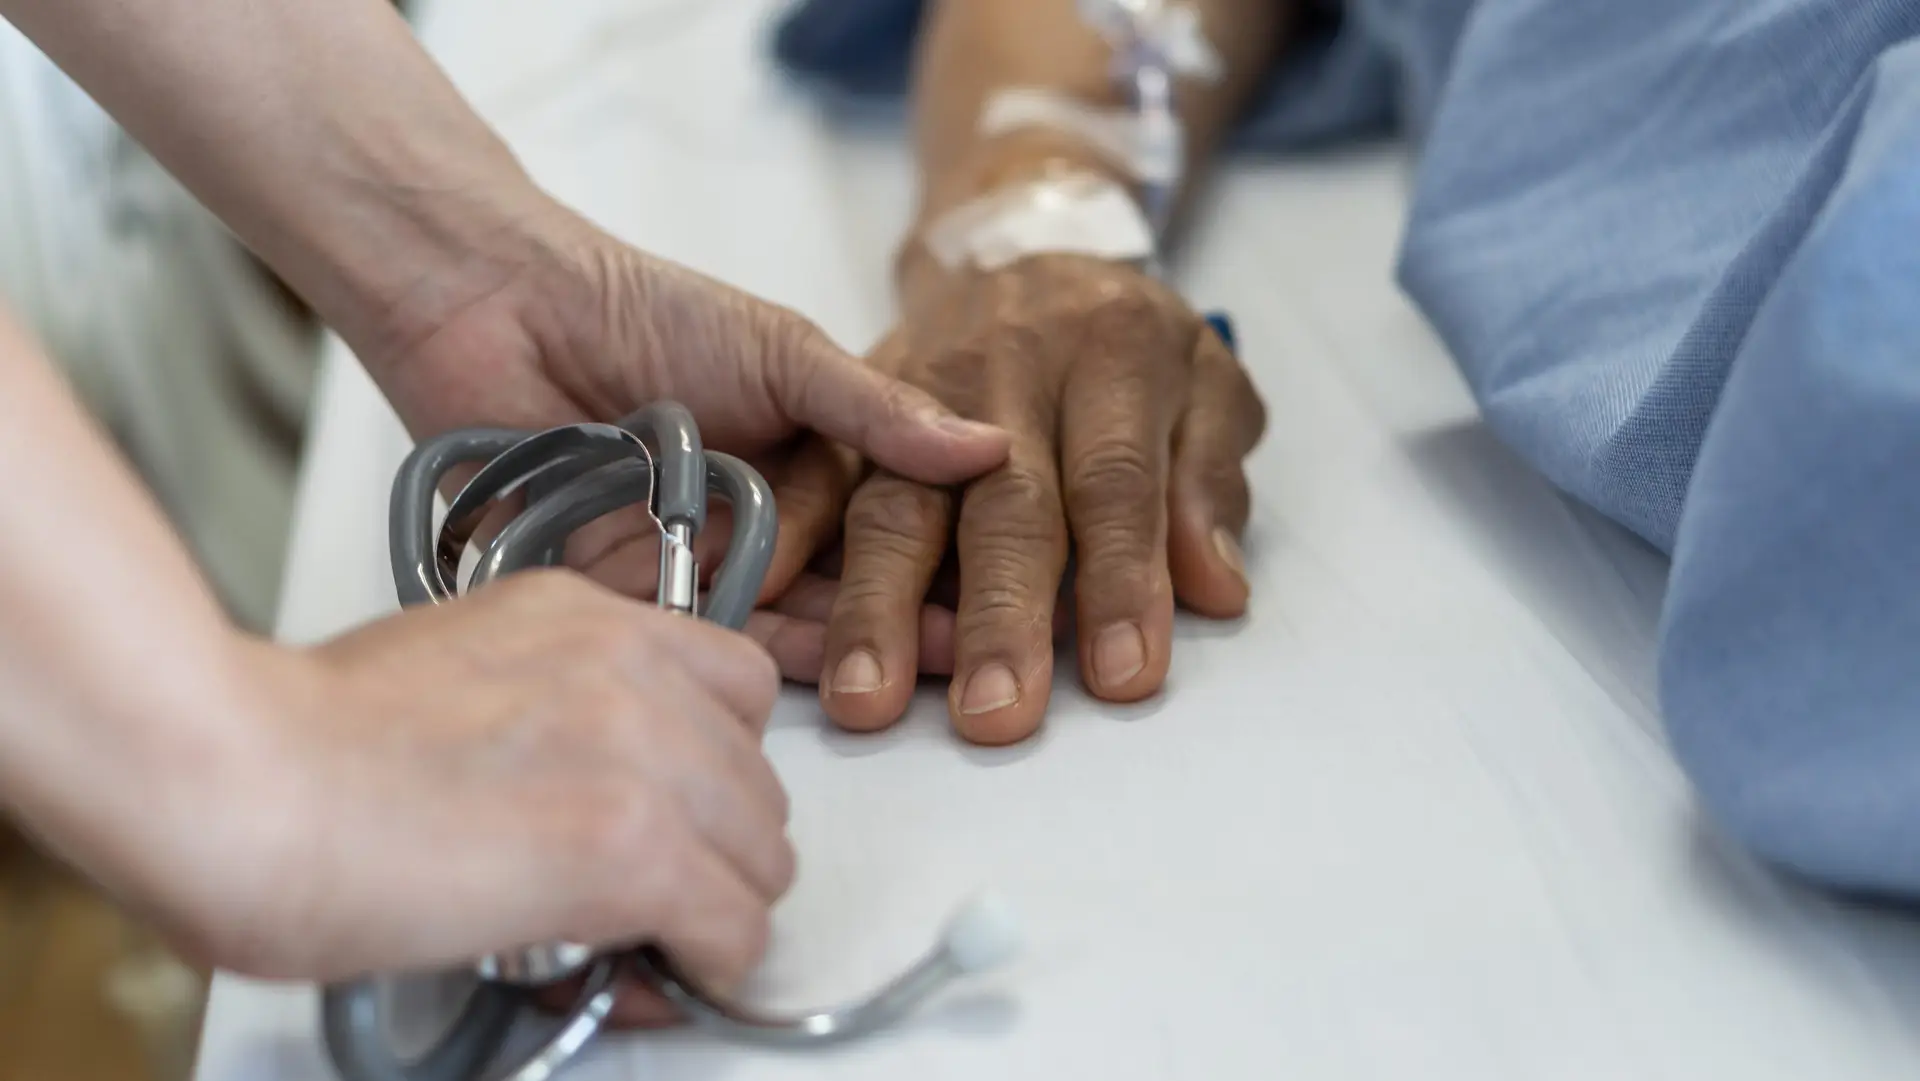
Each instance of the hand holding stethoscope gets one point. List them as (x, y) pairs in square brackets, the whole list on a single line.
[(571, 476)]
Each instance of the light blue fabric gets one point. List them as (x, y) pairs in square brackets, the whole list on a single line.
[(1674, 245)]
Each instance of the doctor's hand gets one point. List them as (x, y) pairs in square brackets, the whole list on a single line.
[(1130, 421), (555, 321), (541, 761)]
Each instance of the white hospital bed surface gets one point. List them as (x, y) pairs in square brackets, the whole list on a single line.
[(1412, 818)]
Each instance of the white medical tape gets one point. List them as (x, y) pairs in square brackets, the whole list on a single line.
[(1149, 147), (1170, 32), (1067, 214)]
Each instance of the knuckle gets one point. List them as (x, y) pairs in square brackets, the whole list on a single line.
[(1215, 475), (1000, 604), (762, 680), (637, 859), (1023, 332), (543, 587), (611, 630), (790, 339), (958, 364), (899, 400), (1112, 476), (1122, 309), (785, 866), (1021, 336), (1020, 498), (890, 355), (756, 935), (740, 648), (1009, 545), (1004, 593), (1224, 476), (1229, 389), (1005, 340), (892, 514), (600, 709), (1252, 405), (804, 501), (999, 618), (818, 490), (748, 930), (1113, 541), (616, 824), (863, 599), (752, 764), (1142, 319)]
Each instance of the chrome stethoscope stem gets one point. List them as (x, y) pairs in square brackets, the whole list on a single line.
[(879, 1009), (679, 572)]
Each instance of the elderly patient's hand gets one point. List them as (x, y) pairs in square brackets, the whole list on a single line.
[(1130, 420)]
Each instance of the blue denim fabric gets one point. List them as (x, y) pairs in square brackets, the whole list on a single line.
[(1674, 246)]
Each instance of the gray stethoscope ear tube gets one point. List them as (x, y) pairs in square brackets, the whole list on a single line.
[(571, 476)]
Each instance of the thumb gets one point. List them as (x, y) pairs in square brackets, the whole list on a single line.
[(900, 427)]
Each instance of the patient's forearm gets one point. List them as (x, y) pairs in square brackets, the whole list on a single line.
[(971, 48), (319, 131)]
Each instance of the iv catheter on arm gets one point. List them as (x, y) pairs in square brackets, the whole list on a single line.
[(1138, 93)]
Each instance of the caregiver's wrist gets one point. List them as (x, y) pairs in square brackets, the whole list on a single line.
[(133, 781), (427, 250), (233, 814), (223, 874)]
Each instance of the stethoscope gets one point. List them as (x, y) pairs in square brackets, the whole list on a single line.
[(570, 476)]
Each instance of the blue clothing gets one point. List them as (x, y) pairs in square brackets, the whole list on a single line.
[(1674, 245)]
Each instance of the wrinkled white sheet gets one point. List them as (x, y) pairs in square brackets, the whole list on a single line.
[(1413, 818)]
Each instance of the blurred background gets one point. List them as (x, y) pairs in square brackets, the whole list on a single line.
[(85, 993)]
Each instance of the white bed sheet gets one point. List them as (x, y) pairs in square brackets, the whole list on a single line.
[(1412, 818)]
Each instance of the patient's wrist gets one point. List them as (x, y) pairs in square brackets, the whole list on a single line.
[(994, 165)]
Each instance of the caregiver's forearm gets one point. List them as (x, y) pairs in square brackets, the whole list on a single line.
[(117, 666), (318, 130), (969, 49)]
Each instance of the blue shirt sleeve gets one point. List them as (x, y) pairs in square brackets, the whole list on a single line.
[(1790, 655)]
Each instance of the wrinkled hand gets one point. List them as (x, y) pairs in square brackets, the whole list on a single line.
[(565, 323), (1130, 421), (543, 760)]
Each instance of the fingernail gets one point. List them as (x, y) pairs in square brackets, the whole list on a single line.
[(990, 688), (1119, 653), (1230, 554), (859, 673)]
